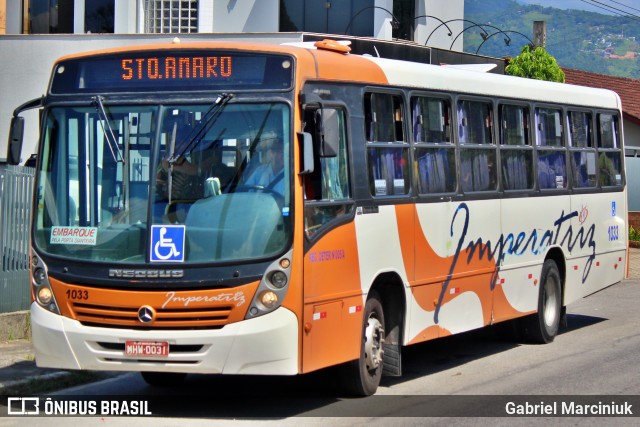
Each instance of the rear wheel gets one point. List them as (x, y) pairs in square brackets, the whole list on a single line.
[(542, 327), (163, 379), (363, 375)]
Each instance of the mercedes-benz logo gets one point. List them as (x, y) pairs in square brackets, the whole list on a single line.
[(146, 314)]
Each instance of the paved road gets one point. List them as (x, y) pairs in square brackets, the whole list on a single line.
[(599, 354)]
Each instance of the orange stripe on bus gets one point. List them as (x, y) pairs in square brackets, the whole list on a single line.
[(203, 308)]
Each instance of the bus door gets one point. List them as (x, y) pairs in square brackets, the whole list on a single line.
[(332, 291)]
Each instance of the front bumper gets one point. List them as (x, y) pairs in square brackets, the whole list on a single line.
[(266, 345)]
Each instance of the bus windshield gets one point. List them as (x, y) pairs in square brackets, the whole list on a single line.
[(165, 183)]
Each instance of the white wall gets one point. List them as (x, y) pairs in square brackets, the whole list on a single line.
[(14, 17), (382, 20), (631, 134), (125, 17), (632, 164), (444, 10), (244, 15)]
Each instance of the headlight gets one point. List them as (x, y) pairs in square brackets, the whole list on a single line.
[(273, 287), (41, 289), (39, 276), (269, 299), (278, 279), (44, 295)]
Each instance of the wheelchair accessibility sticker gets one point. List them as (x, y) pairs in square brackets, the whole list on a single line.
[(167, 243)]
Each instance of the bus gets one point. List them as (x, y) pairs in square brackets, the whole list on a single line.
[(244, 208)]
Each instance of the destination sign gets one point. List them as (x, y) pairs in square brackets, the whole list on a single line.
[(177, 67), (161, 71)]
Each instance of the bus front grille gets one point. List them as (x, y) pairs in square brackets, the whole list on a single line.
[(127, 317)]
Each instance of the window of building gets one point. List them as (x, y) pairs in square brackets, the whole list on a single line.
[(99, 16), (387, 146), (171, 16), (435, 159), (353, 17), (477, 152), (516, 153), (552, 156), (583, 154), (404, 11), (50, 16), (609, 152)]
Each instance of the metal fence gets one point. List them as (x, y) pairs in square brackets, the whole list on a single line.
[(16, 189)]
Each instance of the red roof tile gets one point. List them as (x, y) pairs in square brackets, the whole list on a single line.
[(628, 89)]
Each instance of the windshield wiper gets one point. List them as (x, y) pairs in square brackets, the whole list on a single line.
[(196, 135), (108, 131)]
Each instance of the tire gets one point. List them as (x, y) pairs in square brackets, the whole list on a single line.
[(542, 327), (362, 375), (163, 379)]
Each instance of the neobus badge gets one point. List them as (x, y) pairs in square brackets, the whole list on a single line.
[(145, 274)]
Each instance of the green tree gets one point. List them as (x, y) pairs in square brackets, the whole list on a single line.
[(536, 64)]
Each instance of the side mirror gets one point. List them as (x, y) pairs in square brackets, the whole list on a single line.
[(14, 147), (306, 148)]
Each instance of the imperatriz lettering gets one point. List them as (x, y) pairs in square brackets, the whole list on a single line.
[(185, 300)]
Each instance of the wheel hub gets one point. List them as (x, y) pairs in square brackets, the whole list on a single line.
[(550, 311), (374, 339)]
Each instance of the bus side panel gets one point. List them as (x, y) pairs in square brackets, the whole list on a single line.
[(454, 270), (379, 246), (333, 301), (599, 242), (529, 227)]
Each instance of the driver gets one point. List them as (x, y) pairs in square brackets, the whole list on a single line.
[(269, 175)]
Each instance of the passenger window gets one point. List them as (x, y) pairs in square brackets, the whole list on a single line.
[(327, 189), (435, 163), (516, 153), (430, 120), (477, 152), (583, 155), (387, 151), (579, 129), (549, 127), (552, 156), (384, 117), (514, 125), (609, 151)]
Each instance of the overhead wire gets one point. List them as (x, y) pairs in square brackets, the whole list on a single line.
[(612, 9), (605, 7), (622, 4)]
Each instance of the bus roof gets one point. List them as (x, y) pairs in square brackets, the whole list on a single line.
[(438, 78), (338, 66)]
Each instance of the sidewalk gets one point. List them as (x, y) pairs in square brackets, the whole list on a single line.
[(17, 364), (17, 361)]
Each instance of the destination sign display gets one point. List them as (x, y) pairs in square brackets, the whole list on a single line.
[(172, 71), (177, 67)]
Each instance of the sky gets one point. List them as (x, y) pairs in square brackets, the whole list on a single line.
[(611, 7)]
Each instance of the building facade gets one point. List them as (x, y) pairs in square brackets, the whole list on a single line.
[(414, 20)]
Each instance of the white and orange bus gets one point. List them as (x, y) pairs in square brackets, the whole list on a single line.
[(237, 208)]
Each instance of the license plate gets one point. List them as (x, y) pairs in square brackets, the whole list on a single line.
[(146, 348)]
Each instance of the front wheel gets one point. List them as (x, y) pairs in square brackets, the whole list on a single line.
[(363, 375), (542, 327)]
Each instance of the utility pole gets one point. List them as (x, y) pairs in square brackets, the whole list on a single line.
[(539, 34)]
